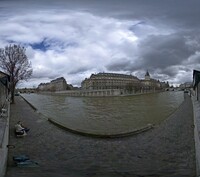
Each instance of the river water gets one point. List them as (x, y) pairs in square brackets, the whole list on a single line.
[(107, 115)]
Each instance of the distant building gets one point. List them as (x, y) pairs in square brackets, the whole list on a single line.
[(186, 85), (164, 85), (103, 81), (26, 90), (106, 84), (126, 83), (148, 84), (58, 84)]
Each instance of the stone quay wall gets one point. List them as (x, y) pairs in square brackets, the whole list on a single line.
[(103, 92), (196, 110), (4, 136), (4, 121)]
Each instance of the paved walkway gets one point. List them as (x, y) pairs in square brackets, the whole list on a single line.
[(166, 150)]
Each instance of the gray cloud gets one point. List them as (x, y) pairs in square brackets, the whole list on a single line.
[(165, 50), (120, 65), (76, 38)]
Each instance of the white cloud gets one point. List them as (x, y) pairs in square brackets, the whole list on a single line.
[(74, 44)]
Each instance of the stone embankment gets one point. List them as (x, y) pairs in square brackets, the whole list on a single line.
[(4, 129), (167, 150), (103, 92), (93, 134), (4, 135), (196, 107)]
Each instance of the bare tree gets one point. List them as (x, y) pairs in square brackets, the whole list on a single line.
[(15, 63)]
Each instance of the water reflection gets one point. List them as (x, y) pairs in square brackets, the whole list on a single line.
[(107, 115)]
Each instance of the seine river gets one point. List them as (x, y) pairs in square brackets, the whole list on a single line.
[(107, 115)]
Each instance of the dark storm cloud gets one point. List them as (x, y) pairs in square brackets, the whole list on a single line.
[(157, 52), (180, 13), (164, 51)]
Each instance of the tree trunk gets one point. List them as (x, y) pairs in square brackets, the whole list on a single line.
[(12, 93)]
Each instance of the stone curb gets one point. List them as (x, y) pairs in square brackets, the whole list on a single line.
[(148, 127)]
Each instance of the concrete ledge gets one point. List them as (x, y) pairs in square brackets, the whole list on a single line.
[(34, 108), (119, 135), (4, 136), (196, 110)]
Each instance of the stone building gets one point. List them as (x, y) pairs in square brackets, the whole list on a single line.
[(186, 85), (196, 84), (148, 84), (164, 85), (4, 120), (103, 81), (4, 88), (58, 84)]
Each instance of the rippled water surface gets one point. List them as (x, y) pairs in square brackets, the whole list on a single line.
[(107, 115)]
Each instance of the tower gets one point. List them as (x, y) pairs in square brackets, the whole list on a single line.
[(147, 76)]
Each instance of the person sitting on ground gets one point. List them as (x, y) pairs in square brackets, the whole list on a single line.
[(20, 129)]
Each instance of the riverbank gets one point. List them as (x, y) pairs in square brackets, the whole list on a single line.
[(88, 133), (166, 150), (4, 135), (98, 93), (106, 116)]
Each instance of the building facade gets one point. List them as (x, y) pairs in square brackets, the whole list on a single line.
[(4, 88), (186, 85), (103, 81), (148, 84), (196, 84), (58, 84), (106, 84), (125, 83), (4, 120)]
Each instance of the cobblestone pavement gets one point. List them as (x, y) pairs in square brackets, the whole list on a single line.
[(167, 150)]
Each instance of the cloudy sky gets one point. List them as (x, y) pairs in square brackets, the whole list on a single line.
[(75, 38)]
